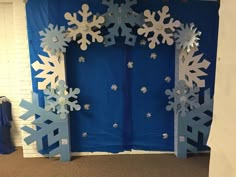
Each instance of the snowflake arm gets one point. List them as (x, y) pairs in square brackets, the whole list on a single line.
[(81, 30), (190, 68), (159, 28), (52, 70), (59, 99)]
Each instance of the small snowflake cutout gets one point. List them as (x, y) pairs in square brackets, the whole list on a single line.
[(114, 87), (81, 59), (153, 56), (84, 135), (143, 42), (149, 115), (168, 79), (87, 107), (130, 65), (144, 90), (165, 135), (115, 125)]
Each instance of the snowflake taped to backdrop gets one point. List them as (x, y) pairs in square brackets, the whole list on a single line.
[(120, 20)]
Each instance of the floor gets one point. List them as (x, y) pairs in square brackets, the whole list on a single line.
[(14, 165)]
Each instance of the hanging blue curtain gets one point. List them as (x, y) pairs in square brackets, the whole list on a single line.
[(117, 120)]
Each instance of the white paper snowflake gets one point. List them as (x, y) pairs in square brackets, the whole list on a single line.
[(81, 59), (165, 135), (51, 70), (144, 90), (183, 98), (153, 56), (84, 135), (158, 28), (190, 68), (81, 29), (114, 87), (130, 64), (187, 37), (115, 125), (149, 115), (143, 42), (54, 39), (60, 100), (87, 107), (168, 79)]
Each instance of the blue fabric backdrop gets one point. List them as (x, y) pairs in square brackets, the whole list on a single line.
[(107, 66)]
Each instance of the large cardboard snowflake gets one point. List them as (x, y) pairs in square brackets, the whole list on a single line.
[(59, 99), (54, 39), (183, 98), (80, 30), (190, 68), (120, 19), (195, 126), (48, 125), (51, 70), (187, 37), (158, 28)]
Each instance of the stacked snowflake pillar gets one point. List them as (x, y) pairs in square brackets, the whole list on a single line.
[(192, 117)]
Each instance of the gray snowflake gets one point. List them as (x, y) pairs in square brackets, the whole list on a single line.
[(119, 15), (59, 99), (54, 39), (184, 98)]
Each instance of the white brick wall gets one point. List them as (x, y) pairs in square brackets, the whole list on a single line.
[(15, 76)]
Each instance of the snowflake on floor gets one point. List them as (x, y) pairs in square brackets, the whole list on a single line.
[(81, 29), (59, 99), (187, 37), (51, 70), (54, 39), (190, 68), (121, 17), (184, 98), (158, 28), (48, 123)]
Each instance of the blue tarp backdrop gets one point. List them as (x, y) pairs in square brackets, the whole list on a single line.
[(104, 66)]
